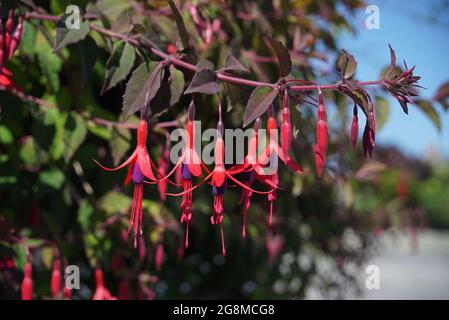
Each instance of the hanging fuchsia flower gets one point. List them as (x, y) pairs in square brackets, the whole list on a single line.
[(188, 166), (140, 167), (101, 293), (354, 128), (27, 283), (218, 178), (56, 279), (321, 135)]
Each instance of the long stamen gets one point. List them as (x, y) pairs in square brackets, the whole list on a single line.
[(223, 248)]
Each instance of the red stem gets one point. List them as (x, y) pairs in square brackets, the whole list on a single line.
[(185, 65)]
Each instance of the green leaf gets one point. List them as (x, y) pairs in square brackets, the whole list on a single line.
[(233, 65), (28, 42), (31, 153), (49, 64), (115, 202), (87, 50), (177, 84), (204, 80), (284, 60), (143, 85), (261, 98), (85, 213), (347, 65), (75, 133), (430, 112), (65, 36), (183, 34), (6, 136), (111, 9), (170, 92), (119, 143), (119, 65), (53, 178), (382, 112)]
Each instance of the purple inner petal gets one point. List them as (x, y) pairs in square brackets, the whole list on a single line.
[(138, 176)]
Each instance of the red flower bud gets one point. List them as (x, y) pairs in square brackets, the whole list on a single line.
[(56, 279), (67, 293), (321, 135), (320, 159), (354, 128), (27, 283), (17, 36), (286, 127)]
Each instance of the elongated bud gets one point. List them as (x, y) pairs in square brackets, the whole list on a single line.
[(286, 127), (321, 130), (27, 283), (159, 258), (99, 278), (354, 128), (142, 132), (319, 160), (67, 293), (9, 26), (17, 36), (56, 279), (2, 40)]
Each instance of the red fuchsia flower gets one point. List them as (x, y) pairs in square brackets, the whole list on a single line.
[(254, 168), (354, 128), (101, 293), (9, 40), (27, 283), (321, 135), (56, 279), (140, 167), (218, 178), (159, 256), (286, 127), (188, 166)]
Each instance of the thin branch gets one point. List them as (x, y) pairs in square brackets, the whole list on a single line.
[(185, 65)]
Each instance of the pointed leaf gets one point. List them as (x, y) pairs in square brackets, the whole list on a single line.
[(233, 65), (119, 65), (65, 36), (430, 112), (259, 101), (382, 112), (284, 60), (204, 81), (143, 85), (347, 65), (183, 34)]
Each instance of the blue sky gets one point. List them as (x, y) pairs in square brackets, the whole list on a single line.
[(423, 42)]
